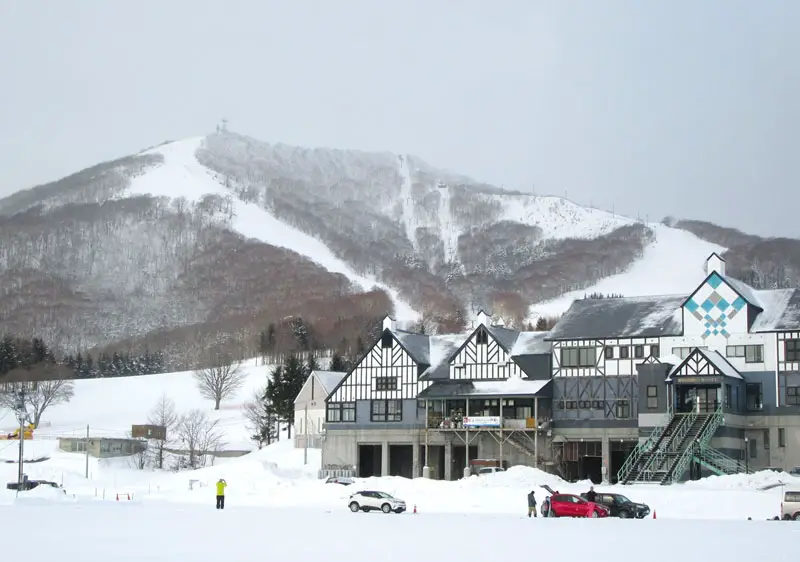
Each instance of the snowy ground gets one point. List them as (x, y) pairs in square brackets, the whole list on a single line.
[(110, 406), (159, 532)]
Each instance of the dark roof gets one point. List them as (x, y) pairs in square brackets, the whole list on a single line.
[(531, 343), (417, 345), (442, 349), (509, 387), (620, 318), (506, 337)]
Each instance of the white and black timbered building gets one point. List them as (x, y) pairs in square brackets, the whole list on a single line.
[(387, 416)]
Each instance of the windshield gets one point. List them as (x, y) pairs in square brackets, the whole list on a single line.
[(622, 499), (385, 495)]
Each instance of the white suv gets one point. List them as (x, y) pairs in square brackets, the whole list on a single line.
[(368, 500)]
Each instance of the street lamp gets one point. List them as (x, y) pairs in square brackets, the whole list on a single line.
[(746, 455)]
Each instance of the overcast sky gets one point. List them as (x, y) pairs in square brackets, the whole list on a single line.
[(680, 107)]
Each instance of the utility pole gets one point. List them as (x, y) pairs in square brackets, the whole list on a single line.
[(86, 451), (20, 408), (305, 439)]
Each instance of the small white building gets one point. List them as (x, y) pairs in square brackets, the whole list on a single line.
[(309, 407)]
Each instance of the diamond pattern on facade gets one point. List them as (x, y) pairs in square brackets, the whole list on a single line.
[(715, 310)]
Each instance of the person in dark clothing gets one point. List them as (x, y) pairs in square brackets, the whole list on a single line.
[(591, 494), (531, 504)]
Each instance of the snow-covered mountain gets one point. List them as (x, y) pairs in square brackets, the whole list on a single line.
[(224, 234)]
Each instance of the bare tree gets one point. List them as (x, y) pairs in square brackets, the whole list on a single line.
[(46, 394), (199, 436), (163, 414), (221, 379)]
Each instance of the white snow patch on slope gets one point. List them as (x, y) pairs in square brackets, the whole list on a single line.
[(448, 231), (408, 201), (673, 264), (560, 218), (181, 175)]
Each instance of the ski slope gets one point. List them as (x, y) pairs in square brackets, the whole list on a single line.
[(181, 175), (673, 264)]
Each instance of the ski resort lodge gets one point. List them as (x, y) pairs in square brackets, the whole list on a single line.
[(640, 389)]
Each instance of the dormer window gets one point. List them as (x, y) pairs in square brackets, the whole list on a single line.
[(387, 341), (482, 337)]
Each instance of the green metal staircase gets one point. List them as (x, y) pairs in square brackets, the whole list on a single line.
[(667, 453)]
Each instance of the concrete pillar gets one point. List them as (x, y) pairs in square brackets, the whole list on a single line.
[(606, 451), (415, 457), (448, 460), (385, 458)]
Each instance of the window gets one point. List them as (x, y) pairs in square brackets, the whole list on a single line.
[(766, 439), (792, 350), (341, 412), (793, 395), (781, 437), (654, 350), (624, 352), (386, 411), (652, 396), (597, 405), (609, 352), (728, 395), (683, 352), (638, 351), (482, 337), (584, 404), (385, 383), (751, 353), (753, 448), (571, 404), (387, 340), (622, 409), (753, 396), (578, 357)]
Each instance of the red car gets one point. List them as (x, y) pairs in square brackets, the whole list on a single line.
[(570, 505)]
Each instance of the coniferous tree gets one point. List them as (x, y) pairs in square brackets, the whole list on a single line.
[(338, 363)]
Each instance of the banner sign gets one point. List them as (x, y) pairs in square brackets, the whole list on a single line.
[(482, 421)]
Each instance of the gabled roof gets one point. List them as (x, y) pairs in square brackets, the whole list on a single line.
[(442, 349), (329, 379), (623, 317), (713, 358), (505, 337)]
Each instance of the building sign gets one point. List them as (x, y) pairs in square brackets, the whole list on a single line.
[(482, 421)]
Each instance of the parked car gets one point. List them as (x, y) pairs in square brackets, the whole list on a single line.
[(620, 506), (790, 506), (31, 484), (490, 470), (343, 480), (795, 471), (570, 505), (368, 500)]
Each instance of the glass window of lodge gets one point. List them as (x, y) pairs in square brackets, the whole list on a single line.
[(753, 396), (792, 350), (578, 357), (386, 411), (793, 396)]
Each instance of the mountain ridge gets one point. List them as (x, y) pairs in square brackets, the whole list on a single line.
[(163, 247)]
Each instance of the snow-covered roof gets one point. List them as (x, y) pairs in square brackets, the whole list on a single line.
[(531, 343), (417, 345), (506, 337), (623, 317), (508, 387), (780, 310), (329, 379), (442, 349)]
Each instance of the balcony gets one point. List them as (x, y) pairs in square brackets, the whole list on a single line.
[(481, 423)]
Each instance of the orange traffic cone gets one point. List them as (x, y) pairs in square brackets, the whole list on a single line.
[(415, 508)]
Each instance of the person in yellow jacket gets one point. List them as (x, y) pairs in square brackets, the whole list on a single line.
[(221, 485)]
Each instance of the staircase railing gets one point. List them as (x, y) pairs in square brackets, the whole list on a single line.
[(703, 439), (641, 448), (657, 458), (728, 465)]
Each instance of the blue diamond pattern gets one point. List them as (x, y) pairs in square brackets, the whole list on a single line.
[(715, 332), (723, 304), (716, 310), (707, 305), (715, 281), (739, 303), (691, 306)]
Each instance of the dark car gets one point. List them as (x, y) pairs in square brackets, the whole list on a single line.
[(31, 484), (620, 506)]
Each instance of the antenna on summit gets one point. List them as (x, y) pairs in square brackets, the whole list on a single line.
[(222, 126)]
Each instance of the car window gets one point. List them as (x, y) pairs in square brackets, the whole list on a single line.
[(576, 499), (383, 495), (559, 499), (792, 497)]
